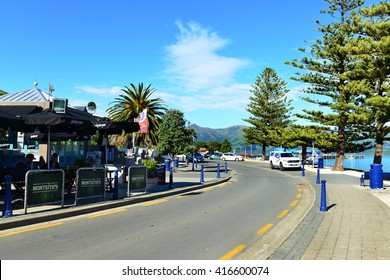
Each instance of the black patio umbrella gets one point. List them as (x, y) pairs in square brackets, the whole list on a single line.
[(48, 122), (10, 121), (106, 127)]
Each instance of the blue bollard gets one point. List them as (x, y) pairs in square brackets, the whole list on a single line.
[(176, 162), (218, 172), (318, 181), (323, 207), (115, 194), (226, 170), (303, 170), (362, 180), (201, 174), (7, 208), (170, 186)]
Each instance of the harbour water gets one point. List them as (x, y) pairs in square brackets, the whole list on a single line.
[(362, 164)]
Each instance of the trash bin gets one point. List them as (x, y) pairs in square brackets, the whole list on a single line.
[(176, 162), (160, 175), (376, 176), (320, 163)]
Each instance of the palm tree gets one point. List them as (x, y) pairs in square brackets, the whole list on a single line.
[(132, 102)]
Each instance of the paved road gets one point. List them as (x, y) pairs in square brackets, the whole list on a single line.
[(210, 224)]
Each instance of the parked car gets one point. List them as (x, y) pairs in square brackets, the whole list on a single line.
[(216, 156), (197, 156), (231, 156), (283, 160)]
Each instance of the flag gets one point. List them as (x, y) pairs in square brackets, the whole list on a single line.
[(143, 121)]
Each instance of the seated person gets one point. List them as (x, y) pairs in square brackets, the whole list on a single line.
[(20, 169), (54, 164)]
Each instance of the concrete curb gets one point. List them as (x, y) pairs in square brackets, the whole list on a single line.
[(51, 215)]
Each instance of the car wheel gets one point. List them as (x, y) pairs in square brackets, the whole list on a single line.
[(223, 159), (236, 159), (272, 166), (281, 166)]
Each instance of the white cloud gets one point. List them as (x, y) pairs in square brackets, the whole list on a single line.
[(202, 77), (99, 91)]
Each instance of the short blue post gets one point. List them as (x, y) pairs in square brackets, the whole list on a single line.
[(218, 172), (323, 207), (362, 180), (201, 174), (318, 181), (226, 170), (170, 186), (303, 170), (7, 208), (116, 189)]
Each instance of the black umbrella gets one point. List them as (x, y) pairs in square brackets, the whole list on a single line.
[(106, 127), (48, 122)]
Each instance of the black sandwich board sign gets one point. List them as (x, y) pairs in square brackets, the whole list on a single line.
[(137, 178), (44, 187), (90, 183)]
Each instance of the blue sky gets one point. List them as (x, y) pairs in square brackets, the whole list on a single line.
[(201, 55)]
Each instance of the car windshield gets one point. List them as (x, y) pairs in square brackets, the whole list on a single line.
[(286, 155)]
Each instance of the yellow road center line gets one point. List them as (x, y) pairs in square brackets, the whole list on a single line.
[(207, 190), (299, 190), (264, 229), (106, 213), (282, 214), (294, 203), (30, 229), (233, 252), (154, 202), (299, 195)]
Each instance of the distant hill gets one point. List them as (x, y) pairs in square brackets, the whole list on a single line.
[(233, 134)]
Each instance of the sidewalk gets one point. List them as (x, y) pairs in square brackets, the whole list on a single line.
[(184, 180), (355, 227)]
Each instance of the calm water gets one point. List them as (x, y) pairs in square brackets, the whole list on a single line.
[(361, 164)]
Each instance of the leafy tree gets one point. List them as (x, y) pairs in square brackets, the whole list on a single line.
[(132, 102), (226, 146), (270, 110), (174, 137), (337, 100), (214, 146), (371, 75), (2, 92)]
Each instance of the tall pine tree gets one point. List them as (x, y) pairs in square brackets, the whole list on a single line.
[(270, 110), (324, 70), (371, 76)]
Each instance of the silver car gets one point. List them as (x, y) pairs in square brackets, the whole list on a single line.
[(231, 156)]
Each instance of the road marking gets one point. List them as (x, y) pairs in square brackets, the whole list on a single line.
[(154, 202), (30, 229), (264, 229), (207, 190), (299, 195), (233, 252), (106, 213), (282, 214), (294, 203), (299, 190)]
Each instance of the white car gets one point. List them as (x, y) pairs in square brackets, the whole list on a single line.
[(231, 156), (283, 160)]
